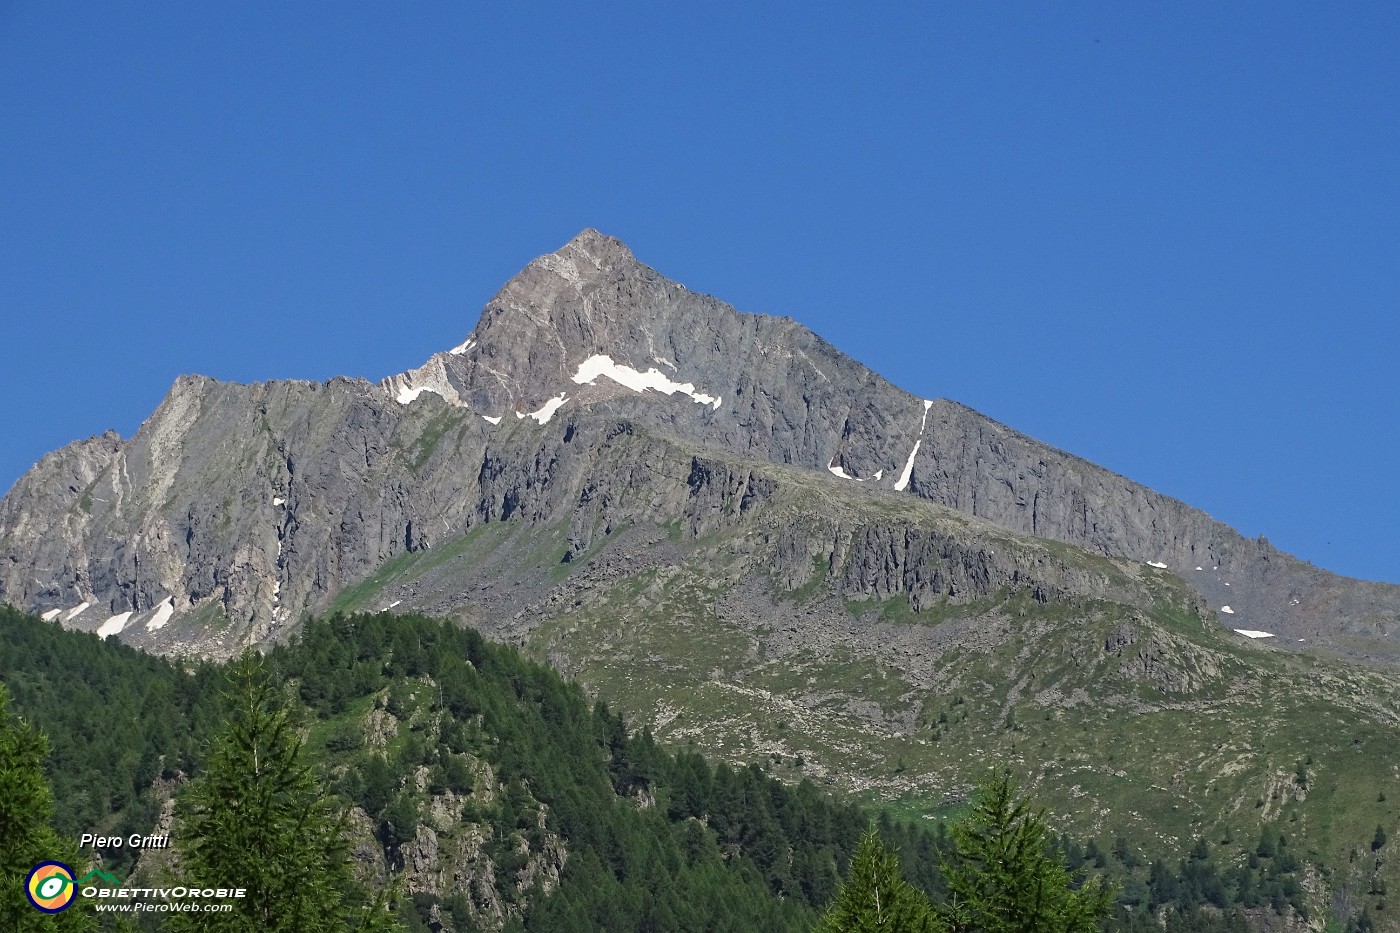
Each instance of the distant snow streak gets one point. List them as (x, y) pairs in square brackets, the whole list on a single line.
[(546, 411), (600, 365), (902, 483), (839, 471), (76, 611), (407, 395), (51, 615), (1157, 564), (493, 419), (1227, 610), (1252, 633), (163, 613), (113, 625), (462, 347)]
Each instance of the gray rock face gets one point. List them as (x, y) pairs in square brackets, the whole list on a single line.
[(237, 509)]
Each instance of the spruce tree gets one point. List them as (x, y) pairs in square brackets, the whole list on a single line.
[(257, 819), (876, 898), (1005, 876), (26, 834)]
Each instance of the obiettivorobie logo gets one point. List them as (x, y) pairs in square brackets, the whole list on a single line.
[(51, 888)]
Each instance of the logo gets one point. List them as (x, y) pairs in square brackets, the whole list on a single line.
[(96, 875), (50, 887)]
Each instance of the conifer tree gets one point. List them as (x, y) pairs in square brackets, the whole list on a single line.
[(26, 836), (876, 898), (1003, 877), (258, 819)]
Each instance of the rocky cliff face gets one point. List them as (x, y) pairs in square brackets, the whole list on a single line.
[(236, 509)]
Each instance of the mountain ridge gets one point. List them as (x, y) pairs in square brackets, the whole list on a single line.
[(256, 503)]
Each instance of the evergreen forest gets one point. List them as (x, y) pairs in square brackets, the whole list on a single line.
[(473, 789)]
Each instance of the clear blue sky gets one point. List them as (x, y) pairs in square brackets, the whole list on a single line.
[(1163, 236)]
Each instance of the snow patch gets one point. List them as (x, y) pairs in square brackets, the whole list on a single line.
[(600, 365), (113, 625), (407, 395), (462, 347), (1252, 633), (278, 500), (76, 611), (1198, 568), (839, 471), (1227, 584), (879, 473), (903, 482), (546, 411), (51, 615), (1159, 565), (163, 613), (490, 419), (665, 362), (1227, 610)]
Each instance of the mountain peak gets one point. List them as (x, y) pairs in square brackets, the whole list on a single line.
[(598, 245)]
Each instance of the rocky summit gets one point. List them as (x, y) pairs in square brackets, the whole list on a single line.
[(237, 510)]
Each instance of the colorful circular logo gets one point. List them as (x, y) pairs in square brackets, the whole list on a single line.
[(50, 887)]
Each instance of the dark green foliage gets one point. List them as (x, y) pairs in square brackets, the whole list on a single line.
[(26, 834), (1378, 840), (655, 840), (256, 818), (1005, 875), (876, 898), (117, 719)]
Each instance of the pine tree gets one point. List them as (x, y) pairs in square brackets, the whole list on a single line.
[(258, 819), (876, 898), (1004, 879), (26, 834)]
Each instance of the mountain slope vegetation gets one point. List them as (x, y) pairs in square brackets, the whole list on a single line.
[(502, 798)]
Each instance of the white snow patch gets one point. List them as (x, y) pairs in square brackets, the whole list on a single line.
[(1227, 584), (491, 420), (113, 625), (546, 411), (879, 473), (395, 603), (462, 347), (76, 611), (903, 482), (840, 471), (1227, 610), (600, 365), (278, 500), (163, 613), (1198, 568), (407, 395), (50, 615), (1252, 633), (1158, 564), (665, 362)]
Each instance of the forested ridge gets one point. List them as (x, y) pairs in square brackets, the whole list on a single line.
[(578, 823)]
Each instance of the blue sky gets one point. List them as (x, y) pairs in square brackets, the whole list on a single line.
[(1162, 236)]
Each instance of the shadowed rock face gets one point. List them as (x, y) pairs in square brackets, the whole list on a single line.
[(240, 508)]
